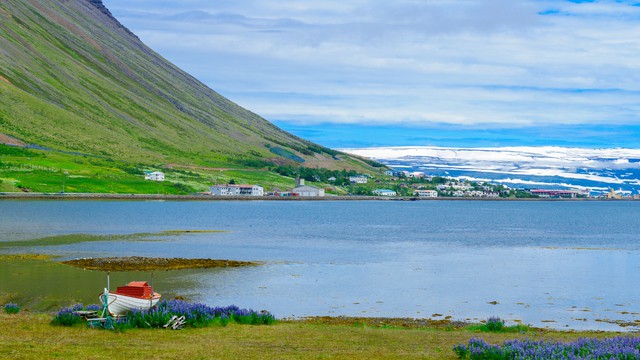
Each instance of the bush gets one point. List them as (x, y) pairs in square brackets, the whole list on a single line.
[(182, 188), (494, 324), (11, 308)]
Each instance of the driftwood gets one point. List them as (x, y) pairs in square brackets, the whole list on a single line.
[(86, 314), (175, 323)]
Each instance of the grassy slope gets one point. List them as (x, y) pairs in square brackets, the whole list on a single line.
[(51, 172), (29, 336), (72, 78)]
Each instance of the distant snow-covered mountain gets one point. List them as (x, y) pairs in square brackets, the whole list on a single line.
[(520, 167)]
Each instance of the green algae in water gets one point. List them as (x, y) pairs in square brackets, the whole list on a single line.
[(36, 283)]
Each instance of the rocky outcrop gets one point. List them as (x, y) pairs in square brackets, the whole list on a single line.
[(98, 4)]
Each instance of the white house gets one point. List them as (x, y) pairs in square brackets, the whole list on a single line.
[(305, 190), (395, 173), (425, 193), (358, 179), (237, 190), (154, 176), (384, 192)]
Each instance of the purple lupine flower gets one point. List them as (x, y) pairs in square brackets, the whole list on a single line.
[(94, 307), (11, 308), (620, 348)]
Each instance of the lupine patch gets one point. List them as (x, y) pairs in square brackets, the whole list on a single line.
[(627, 348), (68, 316), (11, 308), (195, 315)]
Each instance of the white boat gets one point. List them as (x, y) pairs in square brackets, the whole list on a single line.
[(136, 295)]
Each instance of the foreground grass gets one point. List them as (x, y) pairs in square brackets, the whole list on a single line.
[(30, 336)]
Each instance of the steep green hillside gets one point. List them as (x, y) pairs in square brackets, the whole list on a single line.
[(75, 81)]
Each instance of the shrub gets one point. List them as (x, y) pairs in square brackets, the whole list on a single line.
[(11, 308), (494, 324)]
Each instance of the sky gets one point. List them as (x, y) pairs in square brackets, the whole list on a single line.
[(366, 73)]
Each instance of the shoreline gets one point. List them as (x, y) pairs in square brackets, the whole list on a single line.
[(106, 196), (400, 322), (31, 336), (618, 323)]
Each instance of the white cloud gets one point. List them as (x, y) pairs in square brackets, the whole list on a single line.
[(449, 61)]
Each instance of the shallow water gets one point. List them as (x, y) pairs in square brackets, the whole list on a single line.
[(555, 264)]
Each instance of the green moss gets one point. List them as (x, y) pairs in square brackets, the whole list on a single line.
[(80, 238)]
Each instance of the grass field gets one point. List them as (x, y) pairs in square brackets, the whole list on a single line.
[(53, 172), (30, 336)]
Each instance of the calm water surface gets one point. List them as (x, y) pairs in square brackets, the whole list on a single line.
[(556, 264)]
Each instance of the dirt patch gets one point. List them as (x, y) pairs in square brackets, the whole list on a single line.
[(8, 140), (144, 263), (2, 78)]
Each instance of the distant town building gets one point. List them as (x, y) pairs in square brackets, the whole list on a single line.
[(612, 194), (384, 192), (154, 176), (544, 193), (358, 179), (396, 173), (237, 190), (305, 190), (425, 193)]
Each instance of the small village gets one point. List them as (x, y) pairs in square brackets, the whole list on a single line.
[(396, 183)]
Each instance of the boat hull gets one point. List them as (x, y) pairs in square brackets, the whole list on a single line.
[(120, 304)]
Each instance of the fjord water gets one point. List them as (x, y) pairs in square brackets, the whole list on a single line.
[(561, 264)]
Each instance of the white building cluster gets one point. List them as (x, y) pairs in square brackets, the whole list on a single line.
[(237, 190), (305, 190)]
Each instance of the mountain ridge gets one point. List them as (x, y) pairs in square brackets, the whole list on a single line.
[(73, 78)]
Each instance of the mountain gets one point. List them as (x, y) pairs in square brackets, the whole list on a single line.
[(546, 167), (75, 80)]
